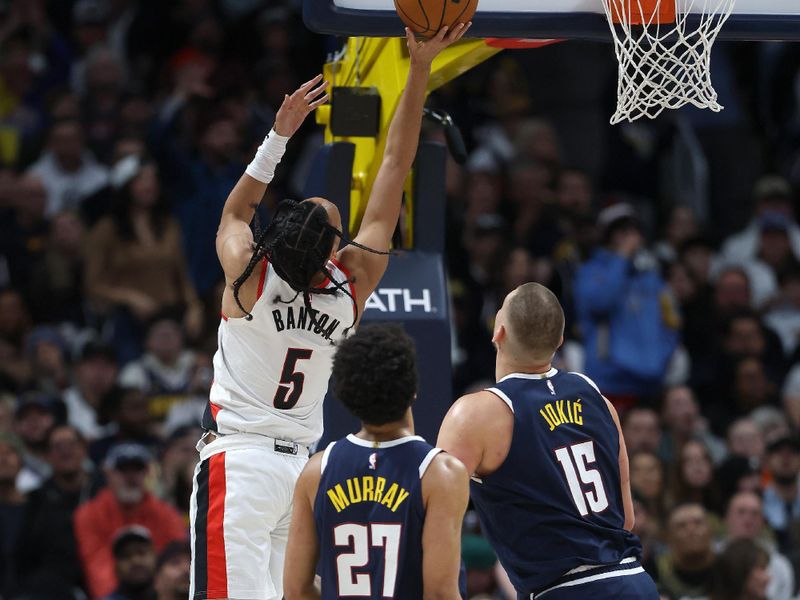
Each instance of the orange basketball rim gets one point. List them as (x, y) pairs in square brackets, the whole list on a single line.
[(642, 12)]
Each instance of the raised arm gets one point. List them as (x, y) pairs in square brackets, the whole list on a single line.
[(383, 207), (234, 237)]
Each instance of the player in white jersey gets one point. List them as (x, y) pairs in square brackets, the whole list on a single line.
[(290, 295)]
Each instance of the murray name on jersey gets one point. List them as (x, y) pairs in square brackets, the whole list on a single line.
[(291, 317), (366, 488)]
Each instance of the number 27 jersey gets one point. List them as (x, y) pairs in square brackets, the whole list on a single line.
[(271, 373)]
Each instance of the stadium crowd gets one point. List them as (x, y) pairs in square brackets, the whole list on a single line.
[(123, 126)]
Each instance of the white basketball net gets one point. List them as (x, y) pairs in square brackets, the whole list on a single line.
[(665, 65)]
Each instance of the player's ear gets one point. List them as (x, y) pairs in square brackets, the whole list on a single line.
[(499, 334)]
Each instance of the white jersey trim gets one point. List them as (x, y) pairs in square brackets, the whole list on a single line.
[(325, 456), (389, 444), (502, 395), (589, 579), (426, 462), (589, 381), (547, 375)]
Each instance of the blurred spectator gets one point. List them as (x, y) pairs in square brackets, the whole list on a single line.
[(24, 230), (95, 374), (48, 553), (628, 322), (750, 387), (648, 483), (781, 498), (641, 428), (15, 324), (648, 529), (47, 351), (535, 224), (681, 226), (134, 564), (102, 100), (200, 171), (790, 395), (56, 279), (68, 170), (683, 422), (124, 501), (178, 460), (693, 478), (12, 509), (189, 412), (164, 372), (127, 409), (737, 474), (746, 439), (784, 316), (172, 572), (134, 264), (37, 413), (741, 572), (744, 519), (685, 570), (773, 198)]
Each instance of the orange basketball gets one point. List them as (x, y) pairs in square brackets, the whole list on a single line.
[(426, 17)]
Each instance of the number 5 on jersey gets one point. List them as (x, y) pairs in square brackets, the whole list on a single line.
[(581, 456), (292, 380)]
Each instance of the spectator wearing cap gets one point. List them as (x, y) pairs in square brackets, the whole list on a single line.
[(68, 170), (124, 501), (773, 199), (95, 375), (628, 321), (164, 372), (172, 572), (128, 410), (781, 497), (47, 351), (744, 519), (135, 266), (48, 553), (12, 509), (37, 414), (134, 564)]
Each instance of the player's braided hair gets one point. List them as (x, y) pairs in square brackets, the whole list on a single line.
[(298, 242)]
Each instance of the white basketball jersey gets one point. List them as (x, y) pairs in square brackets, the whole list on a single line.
[(271, 373)]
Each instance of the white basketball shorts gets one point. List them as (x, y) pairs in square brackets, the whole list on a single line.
[(240, 510)]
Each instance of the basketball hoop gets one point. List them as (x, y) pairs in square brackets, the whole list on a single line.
[(664, 51)]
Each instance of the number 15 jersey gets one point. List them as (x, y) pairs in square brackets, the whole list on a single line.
[(271, 373), (556, 502)]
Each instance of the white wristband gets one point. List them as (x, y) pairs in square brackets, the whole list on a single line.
[(269, 154)]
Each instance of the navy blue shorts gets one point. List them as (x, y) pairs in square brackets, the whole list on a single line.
[(625, 581)]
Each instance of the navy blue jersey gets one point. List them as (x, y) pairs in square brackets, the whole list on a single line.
[(369, 514), (556, 501)]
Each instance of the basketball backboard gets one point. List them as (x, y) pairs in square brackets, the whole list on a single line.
[(546, 19)]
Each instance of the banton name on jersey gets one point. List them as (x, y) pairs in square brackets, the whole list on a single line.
[(392, 300)]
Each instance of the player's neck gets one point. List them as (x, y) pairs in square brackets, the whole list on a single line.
[(506, 366), (386, 432)]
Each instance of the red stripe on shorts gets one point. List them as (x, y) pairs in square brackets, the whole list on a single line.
[(216, 566)]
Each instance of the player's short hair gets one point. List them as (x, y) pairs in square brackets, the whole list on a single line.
[(375, 374), (535, 320)]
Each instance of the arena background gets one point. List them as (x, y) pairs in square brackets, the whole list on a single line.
[(109, 288)]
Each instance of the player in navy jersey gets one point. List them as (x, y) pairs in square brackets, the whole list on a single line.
[(551, 483), (379, 511)]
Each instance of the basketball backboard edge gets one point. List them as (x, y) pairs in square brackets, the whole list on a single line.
[(338, 17)]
